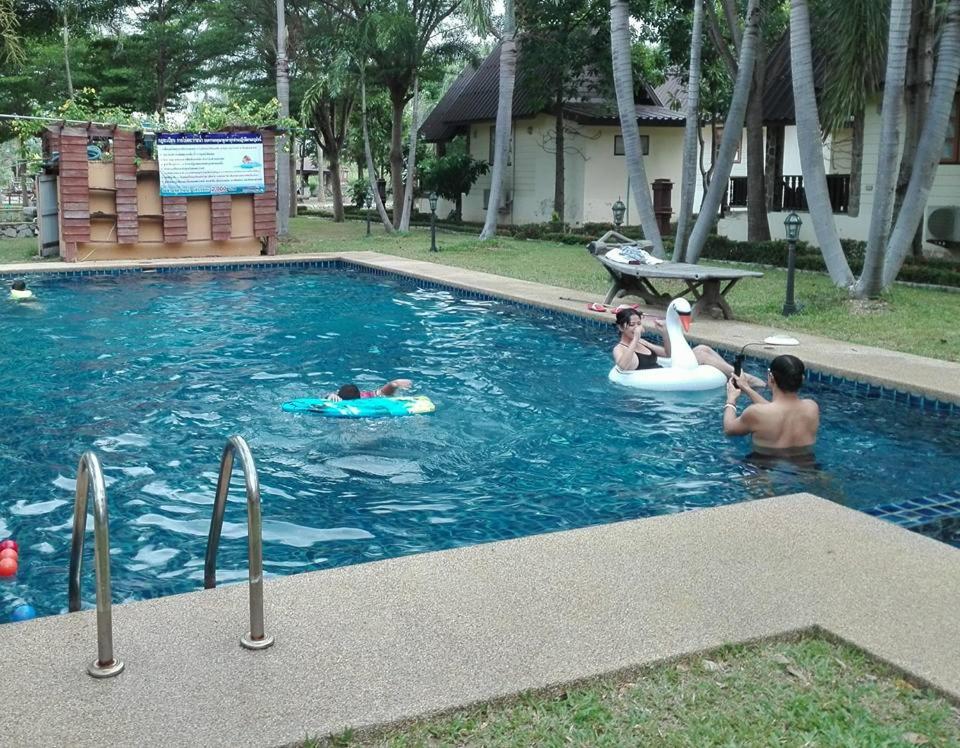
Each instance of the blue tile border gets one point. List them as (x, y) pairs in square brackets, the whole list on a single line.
[(852, 386)]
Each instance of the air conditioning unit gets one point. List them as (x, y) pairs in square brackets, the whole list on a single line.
[(943, 223)]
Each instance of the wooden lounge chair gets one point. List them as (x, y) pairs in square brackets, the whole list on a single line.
[(704, 282)]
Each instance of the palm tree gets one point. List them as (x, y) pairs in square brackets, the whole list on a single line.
[(371, 170), (690, 139), (504, 126), (870, 280), (283, 96), (623, 83), (811, 148), (930, 145), (411, 158), (732, 132)]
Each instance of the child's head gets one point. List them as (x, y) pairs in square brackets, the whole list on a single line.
[(19, 286), (349, 392)]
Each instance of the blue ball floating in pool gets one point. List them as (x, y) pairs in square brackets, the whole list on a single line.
[(23, 613)]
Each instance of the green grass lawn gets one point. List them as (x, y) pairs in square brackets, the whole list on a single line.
[(808, 692), (18, 250), (914, 320)]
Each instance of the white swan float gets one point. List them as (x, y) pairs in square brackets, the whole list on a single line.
[(680, 372)]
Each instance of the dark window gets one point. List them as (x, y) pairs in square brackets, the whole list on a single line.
[(618, 145), (951, 143)]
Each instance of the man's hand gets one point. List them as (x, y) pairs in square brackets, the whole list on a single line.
[(733, 392)]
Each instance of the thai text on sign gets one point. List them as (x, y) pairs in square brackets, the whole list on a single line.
[(210, 163)]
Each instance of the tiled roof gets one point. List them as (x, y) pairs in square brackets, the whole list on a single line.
[(778, 89), (473, 97)]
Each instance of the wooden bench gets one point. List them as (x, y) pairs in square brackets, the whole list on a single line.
[(705, 283)]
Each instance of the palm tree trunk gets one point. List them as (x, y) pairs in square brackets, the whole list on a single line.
[(916, 100), (559, 172), (333, 158), (930, 146), (811, 148), (688, 180), (411, 158), (623, 82), (885, 185), (66, 53), (504, 126), (732, 133), (758, 227), (283, 96), (398, 103), (371, 171)]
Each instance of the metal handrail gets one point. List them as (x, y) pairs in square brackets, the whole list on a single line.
[(106, 665), (255, 638)]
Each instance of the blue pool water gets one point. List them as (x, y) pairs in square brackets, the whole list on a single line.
[(155, 371)]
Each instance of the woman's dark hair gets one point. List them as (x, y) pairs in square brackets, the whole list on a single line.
[(349, 392), (624, 316), (19, 286), (787, 372)]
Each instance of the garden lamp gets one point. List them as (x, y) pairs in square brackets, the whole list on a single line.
[(433, 221), (618, 210), (792, 224), (368, 199)]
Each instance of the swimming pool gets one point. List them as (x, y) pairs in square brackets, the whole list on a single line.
[(154, 371)]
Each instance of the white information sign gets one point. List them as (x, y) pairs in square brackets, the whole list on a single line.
[(210, 163)]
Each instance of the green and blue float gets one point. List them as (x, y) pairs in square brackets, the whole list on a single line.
[(367, 407)]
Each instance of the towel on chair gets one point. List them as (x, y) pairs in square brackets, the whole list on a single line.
[(631, 254)]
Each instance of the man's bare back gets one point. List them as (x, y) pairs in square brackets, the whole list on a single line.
[(786, 424)]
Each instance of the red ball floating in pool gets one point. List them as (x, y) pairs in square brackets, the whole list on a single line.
[(9, 553), (8, 567), (9, 543)]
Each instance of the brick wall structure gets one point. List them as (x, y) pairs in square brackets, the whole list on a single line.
[(129, 217)]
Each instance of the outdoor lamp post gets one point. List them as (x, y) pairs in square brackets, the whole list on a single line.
[(433, 222), (792, 224), (618, 210), (369, 201)]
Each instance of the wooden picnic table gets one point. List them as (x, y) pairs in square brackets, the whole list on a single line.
[(704, 283)]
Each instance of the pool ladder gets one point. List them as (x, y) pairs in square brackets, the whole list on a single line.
[(106, 665), (90, 475), (255, 638)]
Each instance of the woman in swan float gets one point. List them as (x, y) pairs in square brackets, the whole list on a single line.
[(673, 366)]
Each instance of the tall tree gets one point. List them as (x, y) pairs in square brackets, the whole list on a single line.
[(732, 133), (283, 96), (503, 130), (326, 109), (620, 41), (930, 145), (690, 135), (562, 60), (810, 147), (870, 281)]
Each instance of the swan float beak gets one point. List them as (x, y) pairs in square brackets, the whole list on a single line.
[(684, 320)]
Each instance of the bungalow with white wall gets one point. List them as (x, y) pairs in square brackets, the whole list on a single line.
[(595, 173), (852, 207)]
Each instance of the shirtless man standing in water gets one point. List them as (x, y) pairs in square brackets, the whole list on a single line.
[(785, 425)]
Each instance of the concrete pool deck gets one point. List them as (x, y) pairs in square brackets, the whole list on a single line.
[(375, 643)]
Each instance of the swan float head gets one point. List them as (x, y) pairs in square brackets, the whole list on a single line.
[(679, 316)]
